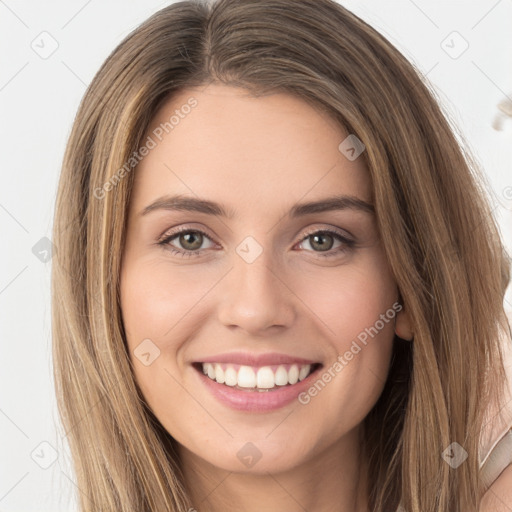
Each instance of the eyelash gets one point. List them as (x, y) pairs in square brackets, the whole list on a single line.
[(165, 242)]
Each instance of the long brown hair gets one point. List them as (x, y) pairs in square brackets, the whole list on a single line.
[(434, 219)]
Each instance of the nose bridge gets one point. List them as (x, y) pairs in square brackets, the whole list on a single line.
[(255, 271), (254, 297)]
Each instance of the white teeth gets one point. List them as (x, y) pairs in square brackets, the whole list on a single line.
[(219, 374), (293, 374), (230, 376), (246, 377), (303, 373), (281, 377), (264, 378)]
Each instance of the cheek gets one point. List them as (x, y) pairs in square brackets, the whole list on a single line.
[(153, 300), (156, 297), (356, 305), (356, 309), (164, 304), (350, 299)]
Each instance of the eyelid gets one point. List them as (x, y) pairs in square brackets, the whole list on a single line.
[(171, 232), (330, 229)]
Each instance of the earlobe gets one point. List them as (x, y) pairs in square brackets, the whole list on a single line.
[(403, 326)]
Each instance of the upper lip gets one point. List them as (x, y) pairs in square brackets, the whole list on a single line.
[(247, 359)]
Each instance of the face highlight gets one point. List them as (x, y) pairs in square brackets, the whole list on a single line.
[(252, 248)]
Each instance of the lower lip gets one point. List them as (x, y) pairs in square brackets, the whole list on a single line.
[(255, 401)]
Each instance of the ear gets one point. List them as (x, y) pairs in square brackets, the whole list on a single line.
[(403, 325)]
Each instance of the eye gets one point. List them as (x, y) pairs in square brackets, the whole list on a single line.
[(322, 241), (189, 239)]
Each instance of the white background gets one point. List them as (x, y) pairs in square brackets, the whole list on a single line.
[(38, 101)]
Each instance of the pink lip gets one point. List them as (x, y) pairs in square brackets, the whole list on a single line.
[(246, 359), (256, 401)]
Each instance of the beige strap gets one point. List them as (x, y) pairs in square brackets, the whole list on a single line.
[(499, 458)]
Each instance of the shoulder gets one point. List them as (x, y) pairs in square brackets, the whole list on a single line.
[(498, 497), (496, 468)]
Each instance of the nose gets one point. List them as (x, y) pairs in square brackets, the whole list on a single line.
[(255, 297)]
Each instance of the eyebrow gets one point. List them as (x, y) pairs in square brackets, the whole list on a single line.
[(194, 204)]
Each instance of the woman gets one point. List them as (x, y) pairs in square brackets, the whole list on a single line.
[(279, 285)]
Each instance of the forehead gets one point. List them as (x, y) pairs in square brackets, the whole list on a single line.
[(245, 151)]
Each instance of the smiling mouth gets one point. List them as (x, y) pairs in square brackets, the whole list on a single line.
[(261, 379)]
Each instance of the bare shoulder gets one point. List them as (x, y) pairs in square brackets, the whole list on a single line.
[(498, 497)]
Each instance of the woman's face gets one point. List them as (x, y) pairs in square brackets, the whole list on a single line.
[(265, 291)]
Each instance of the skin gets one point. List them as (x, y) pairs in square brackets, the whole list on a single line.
[(499, 496), (258, 157)]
